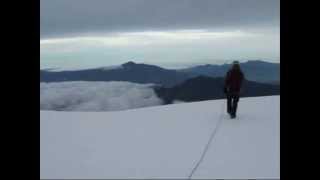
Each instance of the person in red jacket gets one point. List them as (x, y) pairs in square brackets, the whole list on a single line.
[(232, 87)]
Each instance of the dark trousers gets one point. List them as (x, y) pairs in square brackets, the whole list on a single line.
[(232, 103)]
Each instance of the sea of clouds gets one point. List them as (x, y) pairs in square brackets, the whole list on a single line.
[(96, 96)]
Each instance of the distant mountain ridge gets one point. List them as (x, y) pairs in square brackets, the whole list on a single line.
[(259, 71), (256, 70), (130, 71), (207, 88)]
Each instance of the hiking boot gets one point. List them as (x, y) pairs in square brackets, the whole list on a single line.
[(233, 116)]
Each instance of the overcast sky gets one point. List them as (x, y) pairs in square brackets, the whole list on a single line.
[(93, 33)]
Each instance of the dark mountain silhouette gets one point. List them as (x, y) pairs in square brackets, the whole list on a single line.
[(143, 73), (257, 70), (207, 88), (130, 71)]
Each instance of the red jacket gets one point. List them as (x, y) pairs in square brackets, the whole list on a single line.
[(233, 80)]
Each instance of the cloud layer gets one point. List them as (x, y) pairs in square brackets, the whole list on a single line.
[(159, 47), (169, 33), (96, 96), (72, 17)]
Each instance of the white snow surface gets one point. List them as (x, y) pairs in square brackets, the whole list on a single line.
[(163, 142)]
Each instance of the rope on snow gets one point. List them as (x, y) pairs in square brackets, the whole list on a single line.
[(209, 142)]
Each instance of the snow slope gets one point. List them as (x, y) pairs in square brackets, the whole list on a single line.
[(163, 142)]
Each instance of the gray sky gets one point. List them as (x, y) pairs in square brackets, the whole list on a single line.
[(160, 32)]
